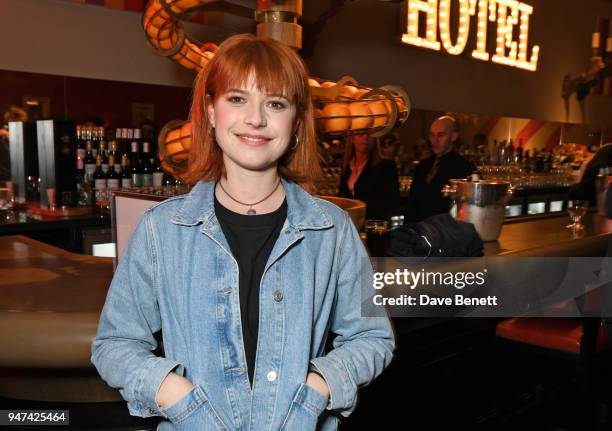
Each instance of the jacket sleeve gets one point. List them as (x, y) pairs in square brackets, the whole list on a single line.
[(363, 346), (122, 349)]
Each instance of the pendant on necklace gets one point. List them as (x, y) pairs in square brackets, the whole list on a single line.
[(251, 211)]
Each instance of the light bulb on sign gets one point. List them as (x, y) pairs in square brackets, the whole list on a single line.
[(510, 50)]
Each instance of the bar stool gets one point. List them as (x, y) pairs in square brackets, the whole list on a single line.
[(579, 340)]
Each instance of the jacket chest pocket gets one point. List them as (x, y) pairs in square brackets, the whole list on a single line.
[(305, 409)]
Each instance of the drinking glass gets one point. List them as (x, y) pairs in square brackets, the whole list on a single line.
[(576, 210), (376, 236)]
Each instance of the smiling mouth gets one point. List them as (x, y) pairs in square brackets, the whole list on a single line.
[(254, 140)]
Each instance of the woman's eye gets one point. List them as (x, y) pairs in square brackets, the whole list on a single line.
[(235, 99), (277, 105)]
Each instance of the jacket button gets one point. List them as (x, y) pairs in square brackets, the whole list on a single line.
[(287, 231), (271, 376), (278, 296)]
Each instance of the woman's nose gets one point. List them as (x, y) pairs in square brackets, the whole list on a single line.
[(256, 116)]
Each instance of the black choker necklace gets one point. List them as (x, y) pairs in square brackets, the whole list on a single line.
[(250, 211)]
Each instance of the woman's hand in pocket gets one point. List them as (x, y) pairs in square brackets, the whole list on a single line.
[(318, 383), (172, 389)]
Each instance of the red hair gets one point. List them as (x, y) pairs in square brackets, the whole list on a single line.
[(276, 69)]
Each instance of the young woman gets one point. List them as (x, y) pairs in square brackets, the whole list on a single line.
[(247, 275), (370, 178)]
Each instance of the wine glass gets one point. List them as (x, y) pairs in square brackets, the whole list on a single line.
[(576, 210)]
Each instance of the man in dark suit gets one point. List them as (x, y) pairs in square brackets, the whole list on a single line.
[(426, 198)]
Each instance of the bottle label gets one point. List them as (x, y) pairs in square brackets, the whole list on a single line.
[(147, 181), (105, 168), (126, 183), (90, 169), (100, 191), (80, 158), (113, 183), (158, 178), (118, 169), (137, 180)]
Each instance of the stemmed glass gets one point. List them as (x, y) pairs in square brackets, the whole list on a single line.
[(576, 210)]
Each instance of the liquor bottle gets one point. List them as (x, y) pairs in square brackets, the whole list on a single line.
[(124, 141), (137, 135), (510, 152), (158, 175), (80, 153), (519, 152), (146, 169), (95, 141), (90, 163), (118, 137), (100, 184), (130, 135), (117, 156), (126, 176), (102, 153), (113, 182), (135, 169), (102, 136)]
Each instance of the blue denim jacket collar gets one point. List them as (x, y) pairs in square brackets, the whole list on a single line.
[(303, 211)]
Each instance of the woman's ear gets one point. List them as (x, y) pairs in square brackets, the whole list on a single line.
[(296, 125), (210, 110)]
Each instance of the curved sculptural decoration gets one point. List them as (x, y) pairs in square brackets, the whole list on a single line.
[(341, 108)]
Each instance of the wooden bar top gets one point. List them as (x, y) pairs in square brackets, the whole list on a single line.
[(50, 303), (549, 236), (35, 276)]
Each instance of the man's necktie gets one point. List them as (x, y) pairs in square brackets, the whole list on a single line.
[(433, 171)]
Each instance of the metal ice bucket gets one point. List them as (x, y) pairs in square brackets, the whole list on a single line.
[(482, 203)]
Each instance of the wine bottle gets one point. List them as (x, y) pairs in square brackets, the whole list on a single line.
[(113, 182), (116, 156), (89, 162), (102, 153), (135, 169), (158, 175), (146, 170), (80, 153), (126, 176), (100, 184)]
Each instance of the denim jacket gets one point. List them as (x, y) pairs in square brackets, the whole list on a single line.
[(178, 275)]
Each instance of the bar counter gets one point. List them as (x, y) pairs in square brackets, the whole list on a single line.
[(50, 299), (43, 282), (65, 232)]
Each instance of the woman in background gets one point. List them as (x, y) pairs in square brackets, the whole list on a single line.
[(367, 176)]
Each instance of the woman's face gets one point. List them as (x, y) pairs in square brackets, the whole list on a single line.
[(253, 129)]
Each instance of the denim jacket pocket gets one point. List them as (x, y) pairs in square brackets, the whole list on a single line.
[(194, 410), (305, 409)]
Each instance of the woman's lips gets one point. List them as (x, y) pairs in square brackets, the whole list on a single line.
[(253, 140)]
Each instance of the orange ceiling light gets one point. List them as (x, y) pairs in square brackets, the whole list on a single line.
[(165, 33)]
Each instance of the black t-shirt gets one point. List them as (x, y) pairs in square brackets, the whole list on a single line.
[(251, 239)]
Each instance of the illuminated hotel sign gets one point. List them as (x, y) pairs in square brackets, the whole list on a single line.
[(507, 14)]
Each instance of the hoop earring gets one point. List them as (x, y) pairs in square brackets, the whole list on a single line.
[(297, 141)]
